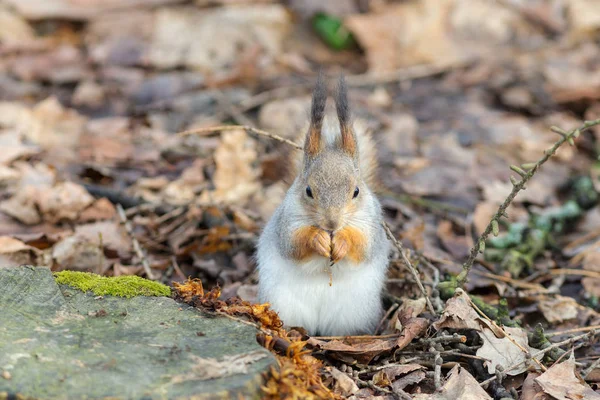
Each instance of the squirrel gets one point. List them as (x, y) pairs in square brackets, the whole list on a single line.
[(323, 256)]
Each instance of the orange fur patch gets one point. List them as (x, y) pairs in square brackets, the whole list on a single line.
[(306, 240), (349, 242), (313, 141), (348, 141)]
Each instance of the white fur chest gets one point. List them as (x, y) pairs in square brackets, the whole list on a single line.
[(302, 296)]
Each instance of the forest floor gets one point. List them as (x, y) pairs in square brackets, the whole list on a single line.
[(96, 174)]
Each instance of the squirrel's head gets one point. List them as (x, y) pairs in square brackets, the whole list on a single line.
[(330, 184)]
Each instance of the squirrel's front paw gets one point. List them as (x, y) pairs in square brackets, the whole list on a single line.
[(309, 240), (322, 243), (339, 247), (348, 242)]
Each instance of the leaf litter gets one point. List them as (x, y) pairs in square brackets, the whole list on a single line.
[(92, 95)]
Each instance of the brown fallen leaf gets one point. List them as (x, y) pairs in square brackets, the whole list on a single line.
[(531, 390), (77, 253), (460, 386), (344, 385), (409, 379), (236, 176), (502, 351), (458, 314), (184, 36), (14, 252), (591, 262), (100, 209), (558, 309), (64, 201), (562, 382), (362, 352), (23, 206)]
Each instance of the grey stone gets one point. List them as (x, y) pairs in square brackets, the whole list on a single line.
[(57, 342)]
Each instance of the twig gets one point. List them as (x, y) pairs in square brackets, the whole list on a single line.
[(389, 312), (136, 245), (589, 369), (408, 264), (575, 330), (249, 129), (437, 369), (577, 272), (526, 174), (542, 352), (235, 113)]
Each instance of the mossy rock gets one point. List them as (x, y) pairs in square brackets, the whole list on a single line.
[(58, 342)]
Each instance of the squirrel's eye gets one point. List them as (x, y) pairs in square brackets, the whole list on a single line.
[(309, 192), (356, 191)]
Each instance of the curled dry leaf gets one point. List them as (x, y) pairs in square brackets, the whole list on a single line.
[(362, 352), (562, 382), (15, 252), (460, 385), (503, 352)]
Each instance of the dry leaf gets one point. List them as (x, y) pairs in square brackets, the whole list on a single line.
[(502, 351), (64, 201), (409, 379), (78, 254), (185, 36), (558, 309), (23, 206), (14, 252), (235, 178), (363, 351), (460, 386), (344, 385), (13, 146), (458, 314), (531, 390), (562, 382)]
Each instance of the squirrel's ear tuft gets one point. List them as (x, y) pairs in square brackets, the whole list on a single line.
[(348, 143), (314, 142)]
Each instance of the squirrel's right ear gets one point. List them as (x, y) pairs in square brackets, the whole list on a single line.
[(314, 141)]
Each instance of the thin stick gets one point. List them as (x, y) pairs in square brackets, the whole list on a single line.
[(589, 369), (136, 245), (408, 264), (249, 129), (541, 353), (575, 330), (517, 187), (577, 272)]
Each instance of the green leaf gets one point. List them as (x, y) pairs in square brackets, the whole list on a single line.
[(332, 31)]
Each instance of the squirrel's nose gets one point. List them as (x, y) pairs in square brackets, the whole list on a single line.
[(332, 223)]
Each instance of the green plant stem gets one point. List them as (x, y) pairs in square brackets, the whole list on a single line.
[(518, 185)]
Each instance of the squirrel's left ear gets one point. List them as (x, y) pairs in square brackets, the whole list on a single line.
[(348, 142)]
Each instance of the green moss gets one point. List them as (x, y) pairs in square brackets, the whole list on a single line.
[(122, 286)]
